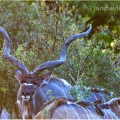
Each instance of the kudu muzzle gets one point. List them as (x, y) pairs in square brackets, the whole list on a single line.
[(27, 91)]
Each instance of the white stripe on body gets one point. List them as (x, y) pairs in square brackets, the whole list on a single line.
[(110, 115), (75, 111), (86, 112), (90, 113), (94, 96), (60, 115), (105, 116), (66, 111), (116, 108)]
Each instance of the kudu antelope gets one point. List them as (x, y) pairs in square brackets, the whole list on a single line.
[(111, 109), (89, 104), (91, 110), (33, 92), (69, 111), (4, 114), (107, 110)]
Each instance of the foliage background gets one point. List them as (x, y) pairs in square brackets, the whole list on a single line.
[(38, 29)]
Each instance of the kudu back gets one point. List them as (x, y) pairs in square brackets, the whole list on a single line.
[(36, 91), (73, 111), (69, 111), (87, 110), (106, 110)]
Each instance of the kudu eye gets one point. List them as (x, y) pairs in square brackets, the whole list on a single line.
[(21, 81), (35, 82)]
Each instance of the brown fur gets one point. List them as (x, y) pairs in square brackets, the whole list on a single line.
[(115, 105)]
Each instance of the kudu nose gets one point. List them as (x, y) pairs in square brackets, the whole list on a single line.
[(26, 96), (25, 93)]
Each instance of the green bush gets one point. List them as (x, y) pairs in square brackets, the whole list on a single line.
[(38, 34)]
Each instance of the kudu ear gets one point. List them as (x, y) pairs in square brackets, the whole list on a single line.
[(46, 75), (18, 74)]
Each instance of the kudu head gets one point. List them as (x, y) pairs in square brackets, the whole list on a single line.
[(29, 80)]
